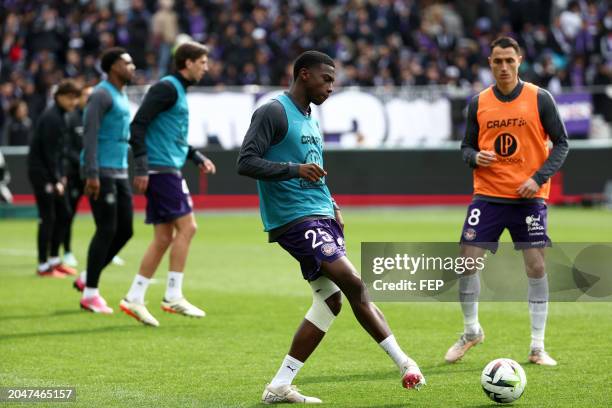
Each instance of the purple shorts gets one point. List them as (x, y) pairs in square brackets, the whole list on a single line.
[(167, 198), (312, 242), (485, 222)]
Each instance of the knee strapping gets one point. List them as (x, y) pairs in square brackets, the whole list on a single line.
[(319, 313)]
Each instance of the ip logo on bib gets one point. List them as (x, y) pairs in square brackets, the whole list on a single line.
[(505, 144)]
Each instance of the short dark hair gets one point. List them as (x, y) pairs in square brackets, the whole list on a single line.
[(109, 57), (505, 42), (309, 59), (68, 87), (191, 51)]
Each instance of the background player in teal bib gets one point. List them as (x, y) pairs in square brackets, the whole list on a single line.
[(159, 144), (104, 164), (283, 150)]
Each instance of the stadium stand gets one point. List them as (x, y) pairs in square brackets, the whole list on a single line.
[(382, 43)]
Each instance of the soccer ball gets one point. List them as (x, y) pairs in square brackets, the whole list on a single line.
[(503, 380)]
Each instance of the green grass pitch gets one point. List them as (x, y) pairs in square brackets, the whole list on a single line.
[(255, 298)]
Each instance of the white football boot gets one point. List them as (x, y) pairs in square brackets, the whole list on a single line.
[(461, 346), (139, 312), (69, 259), (540, 357), (412, 378), (118, 261), (286, 394), (182, 306)]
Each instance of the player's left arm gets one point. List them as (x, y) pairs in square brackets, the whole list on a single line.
[(204, 163), (555, 128)]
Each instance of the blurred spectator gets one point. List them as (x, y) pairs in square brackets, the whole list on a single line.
[(602, 103), (164, 28), (194, 22), (139, 19), (571, 20), (18, 127)]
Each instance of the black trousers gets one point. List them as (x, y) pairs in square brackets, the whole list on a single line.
[(113, 214), (74, 192), (52, 216)]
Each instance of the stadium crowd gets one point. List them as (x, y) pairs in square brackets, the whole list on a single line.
[(375, 43)]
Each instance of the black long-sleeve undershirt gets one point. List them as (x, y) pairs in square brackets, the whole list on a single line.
[(161, 97), (268, 127)]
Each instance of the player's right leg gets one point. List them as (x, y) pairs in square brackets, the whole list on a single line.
[(484, 224), (342, 272), (326, 305), (469, 291), (133, 304)]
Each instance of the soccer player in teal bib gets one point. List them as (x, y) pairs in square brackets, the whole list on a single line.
[(104, 164), (159, 143), (283, 150)]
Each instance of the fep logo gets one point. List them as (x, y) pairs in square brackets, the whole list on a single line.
[(505, 144)]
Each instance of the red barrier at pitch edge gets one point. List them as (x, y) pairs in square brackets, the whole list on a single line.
[(227, 201), (246, 201)]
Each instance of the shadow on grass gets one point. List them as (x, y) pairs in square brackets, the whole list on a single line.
[(391, 374), (493, 404), (369, 376), (261, 404), (405, 405), (41, 316), (107, 329), (446, 368)]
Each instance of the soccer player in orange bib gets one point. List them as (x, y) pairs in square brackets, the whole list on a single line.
[(509, 127)]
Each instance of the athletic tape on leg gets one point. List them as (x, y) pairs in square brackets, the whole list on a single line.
[(319, 313)]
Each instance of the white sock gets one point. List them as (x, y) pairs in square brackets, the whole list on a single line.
[(54, 261), (537, 294), (469, 291), (43, 266), (83, 276), (174, 287), (287, 371), (138, 289), (90, 292), (394, 351)]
